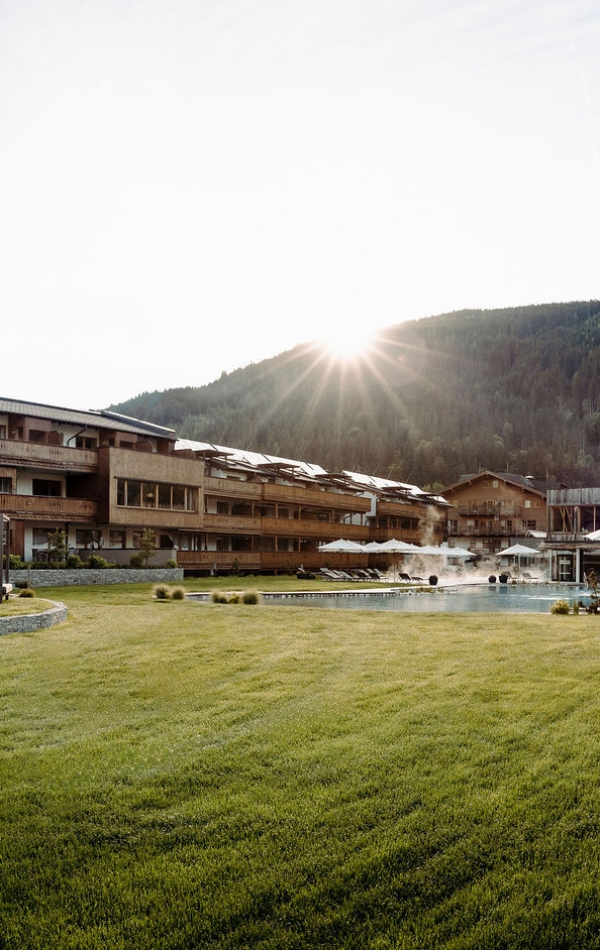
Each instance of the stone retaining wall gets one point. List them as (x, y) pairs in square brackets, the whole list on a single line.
[(85, 576), (25, 623)]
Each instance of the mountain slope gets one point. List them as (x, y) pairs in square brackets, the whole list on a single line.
[(515, 389)]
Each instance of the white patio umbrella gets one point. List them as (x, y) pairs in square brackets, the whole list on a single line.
[(372, 547), (455, 551), (431, 549), (397, 547), (342, 546), (394, 546), (519, 551)]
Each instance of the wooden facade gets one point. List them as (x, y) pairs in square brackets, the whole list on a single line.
[(490, 510), (103, 479)]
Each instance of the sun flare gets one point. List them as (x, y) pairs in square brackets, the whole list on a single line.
[(348, 344)]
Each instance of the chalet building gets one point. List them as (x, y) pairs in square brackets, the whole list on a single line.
[(491, 510), (573, 535), (104, 478)]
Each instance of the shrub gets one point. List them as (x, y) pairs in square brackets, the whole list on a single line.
[(251, 597), (233, 598), (27, 592), (15, 562), (74, 562), (560, 607), (178, 593), (162, 591), (219, 597), (171, 563), (96, 562), (136, 560)]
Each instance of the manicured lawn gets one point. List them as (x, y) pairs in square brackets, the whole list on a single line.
[(183, 775), (15, 606)]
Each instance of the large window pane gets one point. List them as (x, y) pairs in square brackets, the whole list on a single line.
[(164, 496), (149, 495), (134, 494)]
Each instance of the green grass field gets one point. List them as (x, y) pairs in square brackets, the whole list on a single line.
[(184, 775)]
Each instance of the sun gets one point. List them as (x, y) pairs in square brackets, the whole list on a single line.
[(348, 344)]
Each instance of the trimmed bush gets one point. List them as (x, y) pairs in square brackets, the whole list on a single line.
[(251, 597), (178, 593), (95, 561), (74, 562), (137, 560), (219, 597), (560, 607), (162, 592), (27, 592), (171, 563)]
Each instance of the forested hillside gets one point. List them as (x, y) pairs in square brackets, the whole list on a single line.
[(515, 389)]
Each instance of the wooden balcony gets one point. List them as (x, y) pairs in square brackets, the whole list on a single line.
[(233, 488), (232, 524), (312, 497), (42, 508), (59, 458), (285, 495), (225, 560), (319, 530)]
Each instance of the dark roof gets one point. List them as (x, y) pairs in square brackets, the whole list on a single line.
[(97, 418)]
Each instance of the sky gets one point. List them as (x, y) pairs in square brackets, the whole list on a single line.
[(189, 186)]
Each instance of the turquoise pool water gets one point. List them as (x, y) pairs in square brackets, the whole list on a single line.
[(483, 598)]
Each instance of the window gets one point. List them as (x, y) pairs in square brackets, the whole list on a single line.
[(6, 486), (164, 496), (495, 483), (532, 525), (222, 507), (117, 539), (134, 494), (83, 537), (86, 442), (46, 486), (37, 435), (40, 536), (2, 432), (148, 495), (528, 503)]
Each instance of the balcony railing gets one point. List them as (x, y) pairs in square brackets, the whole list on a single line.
[(51, 457), (49, 509)]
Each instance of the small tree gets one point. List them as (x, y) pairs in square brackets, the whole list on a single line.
[(57, 545), (147, 545)]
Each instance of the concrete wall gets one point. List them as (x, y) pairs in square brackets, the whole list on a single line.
[(85, 576)]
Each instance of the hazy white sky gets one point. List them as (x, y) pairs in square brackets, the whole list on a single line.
[(187, 186)]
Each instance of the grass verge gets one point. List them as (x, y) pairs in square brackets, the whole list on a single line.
[(178, 775)]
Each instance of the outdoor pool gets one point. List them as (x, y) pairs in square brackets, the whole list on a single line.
[(480, 598)]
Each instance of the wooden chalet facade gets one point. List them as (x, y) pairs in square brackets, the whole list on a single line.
[(104, 478), (491, 510)]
